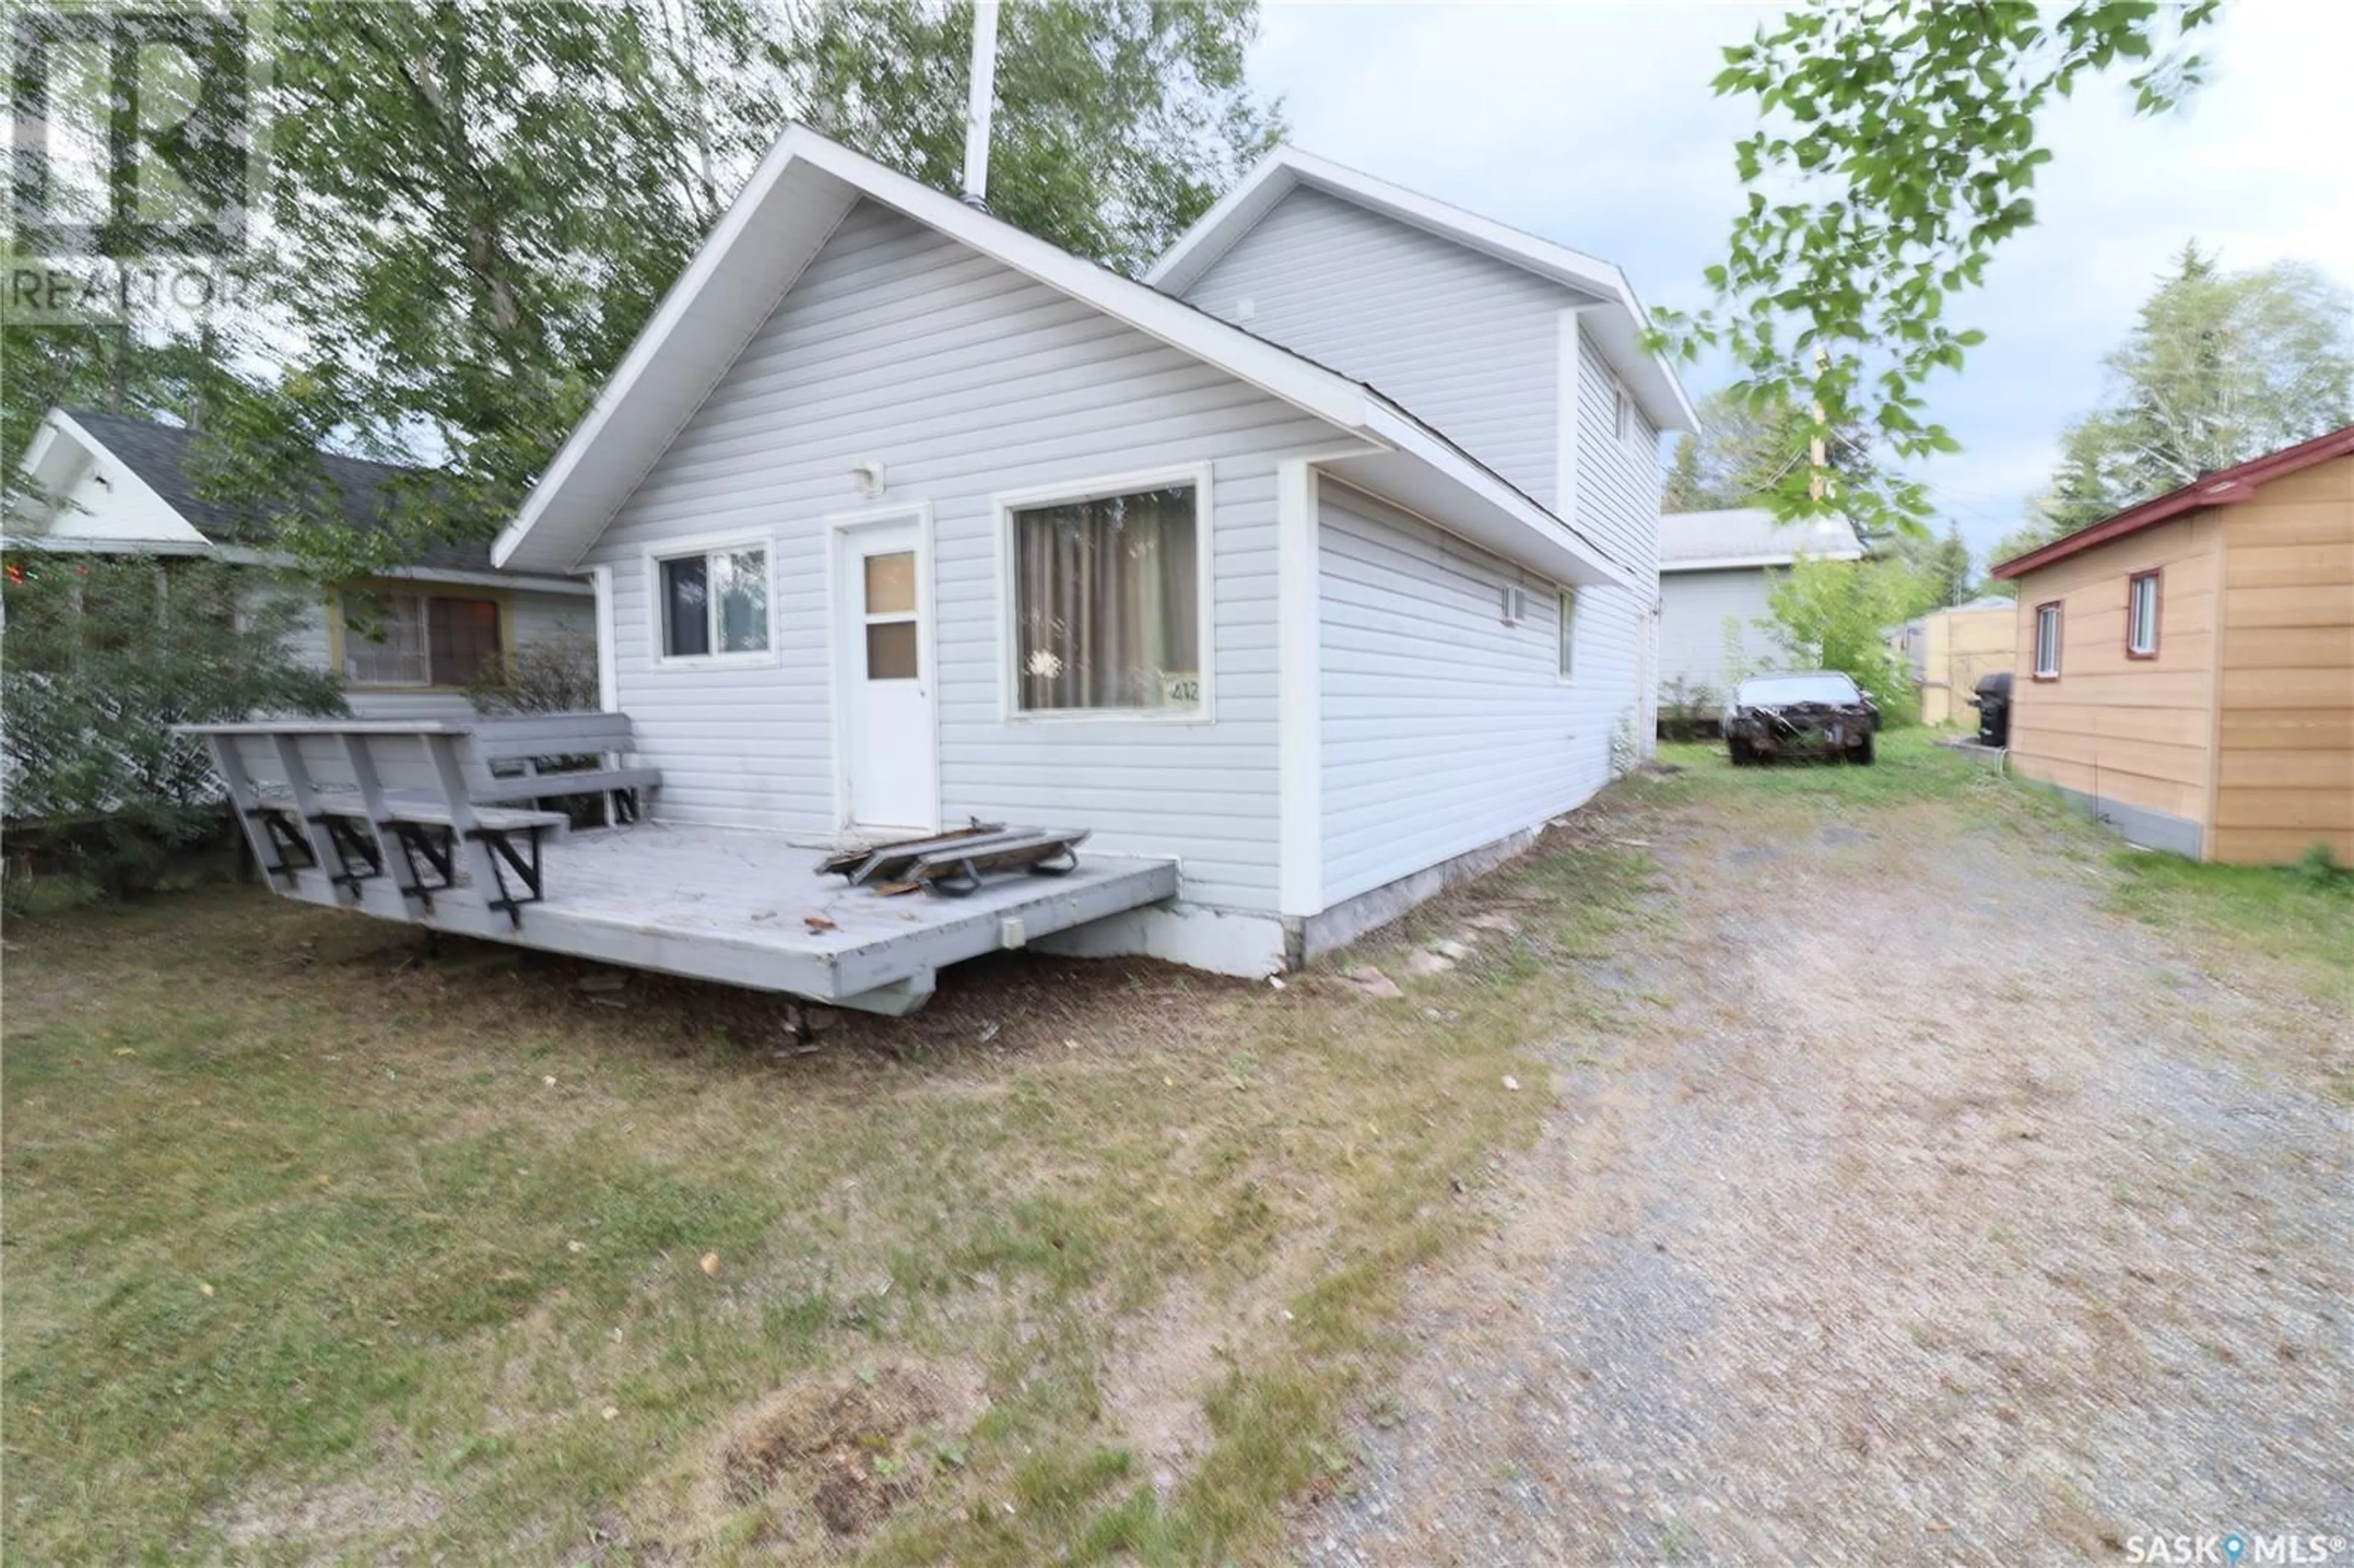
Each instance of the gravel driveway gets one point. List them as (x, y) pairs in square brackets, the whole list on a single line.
[(1924, 1212)]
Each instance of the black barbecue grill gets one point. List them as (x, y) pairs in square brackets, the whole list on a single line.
[(1993, 702)]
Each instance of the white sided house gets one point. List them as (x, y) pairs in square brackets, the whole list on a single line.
[(119, 486), (900, 518), (1715, 587)]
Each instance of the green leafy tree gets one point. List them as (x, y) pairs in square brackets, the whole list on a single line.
[(1839, 615), (2220, 368), (104, 655), (484, 201), (1940, 567), (1897, 146), (1746, 448)]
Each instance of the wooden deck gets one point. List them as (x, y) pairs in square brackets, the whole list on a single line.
[(395, 820), (726, 905)]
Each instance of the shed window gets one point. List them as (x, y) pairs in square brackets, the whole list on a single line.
[(2047, 642), (1108, 602), (417, 640), (1622, 412), (2141, 616), (1568, 633), (716, 604)]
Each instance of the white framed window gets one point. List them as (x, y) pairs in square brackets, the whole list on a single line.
[(1567, 632), (420, 640), (710, 601), (1107, 596), (2141, 615), (1515, 604), (1622, 411), (2047, 640)]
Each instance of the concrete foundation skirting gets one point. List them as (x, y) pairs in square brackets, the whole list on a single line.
[(2139, 824), (1352, 918)]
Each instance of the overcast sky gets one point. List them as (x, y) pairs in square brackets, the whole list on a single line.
[(1592, 124)]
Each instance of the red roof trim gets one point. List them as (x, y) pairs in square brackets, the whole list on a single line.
[(2219, 487)]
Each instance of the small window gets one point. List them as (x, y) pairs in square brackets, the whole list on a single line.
[(1107, 607), (417, 640), (1622, 412), (715, 604), (2047, 642), (1568, 633), (1515, 604), (2141, 616)]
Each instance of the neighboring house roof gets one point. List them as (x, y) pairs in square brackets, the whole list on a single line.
[(1619, 331), (1750, 536), (1987, 601), (164, 460), (788, 210), (2218, 489)]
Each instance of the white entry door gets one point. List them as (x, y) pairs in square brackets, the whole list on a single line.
[(883, 599)]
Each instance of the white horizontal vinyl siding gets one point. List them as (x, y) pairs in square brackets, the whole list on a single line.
[(1708, 631), (1468, 342), (1444, 729), (964, 380)]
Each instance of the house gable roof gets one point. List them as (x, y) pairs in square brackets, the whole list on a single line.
[(1617, 328), (800, 194), (2218, 489), (160, 463), (1750, 536)]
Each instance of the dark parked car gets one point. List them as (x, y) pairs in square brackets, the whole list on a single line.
[(1816, 713)]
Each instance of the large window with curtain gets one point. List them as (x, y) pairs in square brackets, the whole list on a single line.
[(1107, 603)]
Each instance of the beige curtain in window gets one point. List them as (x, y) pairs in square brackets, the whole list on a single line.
[(1110, 597)]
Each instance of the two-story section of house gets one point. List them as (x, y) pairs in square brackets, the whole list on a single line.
[(1525, 354)]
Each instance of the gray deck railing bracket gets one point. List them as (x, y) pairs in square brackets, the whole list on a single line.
[(359, 855), (500, 842), (416, 839), (289, 851)]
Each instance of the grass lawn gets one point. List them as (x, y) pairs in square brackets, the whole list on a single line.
[(319, 1250)]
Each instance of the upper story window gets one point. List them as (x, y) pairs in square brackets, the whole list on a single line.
[(2047, 642), (1107, 601), (2141, 615), (715, 603), (1568, 651), (393, 638)]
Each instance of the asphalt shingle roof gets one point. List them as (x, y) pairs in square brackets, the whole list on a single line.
[(1750, 533), (164, 457)]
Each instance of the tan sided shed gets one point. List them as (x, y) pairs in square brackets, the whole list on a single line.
[(2186, 668)]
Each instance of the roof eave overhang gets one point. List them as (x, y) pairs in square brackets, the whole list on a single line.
[(2226, 487), (1421, 471)]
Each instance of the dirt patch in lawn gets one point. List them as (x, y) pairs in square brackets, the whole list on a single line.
[(827, 1460)]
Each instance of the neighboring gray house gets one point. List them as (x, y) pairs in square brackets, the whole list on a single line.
[(900, 516), (117, 485), (1715, 579)]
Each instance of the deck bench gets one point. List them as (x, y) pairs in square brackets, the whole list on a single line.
[(526, 743), (426, 831)]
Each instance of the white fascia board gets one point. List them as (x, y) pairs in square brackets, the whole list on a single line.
[(1496, 515), (48, 543), (1732, 562), (1650, 375), (615, 416), (520, 582)]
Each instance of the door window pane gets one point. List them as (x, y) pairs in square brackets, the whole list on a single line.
[(891, 584), (1108, 603), (461, 636), (891, 651), (686, 607), (741, 582)]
